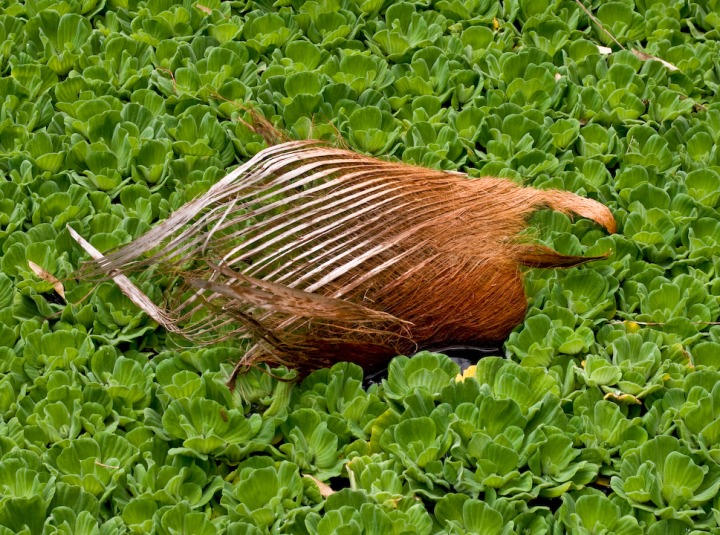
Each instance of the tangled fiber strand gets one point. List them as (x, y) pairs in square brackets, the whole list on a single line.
[(318, 255)]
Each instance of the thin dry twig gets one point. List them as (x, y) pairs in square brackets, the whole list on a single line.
[(657, 323), (171, 76), (647, 57), (644, 56), (107, 465), (698, 106), (596, 21), (638, 53), (260, 126), (339, 141)]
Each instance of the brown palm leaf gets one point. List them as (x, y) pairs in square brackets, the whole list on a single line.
[(319, 254)]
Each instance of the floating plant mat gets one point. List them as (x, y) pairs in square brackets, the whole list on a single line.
[(599, 415)]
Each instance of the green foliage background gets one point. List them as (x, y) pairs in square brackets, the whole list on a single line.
[(114, 113)]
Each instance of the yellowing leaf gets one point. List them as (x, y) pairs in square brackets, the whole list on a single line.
[(325, 490), (469, 372), (48, 277), (624, 399)]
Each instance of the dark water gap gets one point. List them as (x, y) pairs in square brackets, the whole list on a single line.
[(463, 355)]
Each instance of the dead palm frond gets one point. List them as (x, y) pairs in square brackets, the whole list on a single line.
[(319, 254)]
